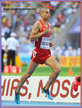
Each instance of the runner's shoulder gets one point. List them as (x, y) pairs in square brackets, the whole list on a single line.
[(38, 24)]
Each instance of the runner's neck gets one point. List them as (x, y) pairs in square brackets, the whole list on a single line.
[(44, 22)]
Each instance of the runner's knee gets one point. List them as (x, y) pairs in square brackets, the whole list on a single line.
[(28, 75), (57, 70)]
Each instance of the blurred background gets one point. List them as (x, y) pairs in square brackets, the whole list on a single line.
[(65, 28)]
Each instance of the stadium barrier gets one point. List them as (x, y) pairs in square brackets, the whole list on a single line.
[(61, 89), (12, 69), (70, 61)]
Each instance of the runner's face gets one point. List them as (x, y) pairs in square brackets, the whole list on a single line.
[(46, 14)]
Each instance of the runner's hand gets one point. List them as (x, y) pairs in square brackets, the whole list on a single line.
[(46, 30), (51, 44)]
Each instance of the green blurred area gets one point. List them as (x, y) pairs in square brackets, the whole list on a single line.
[(46, 71)]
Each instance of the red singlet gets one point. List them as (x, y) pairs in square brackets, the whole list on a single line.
[(42, 50)]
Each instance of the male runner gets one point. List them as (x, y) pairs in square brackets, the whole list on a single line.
[(41, 54)]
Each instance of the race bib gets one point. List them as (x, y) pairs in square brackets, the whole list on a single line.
[(45, 43)]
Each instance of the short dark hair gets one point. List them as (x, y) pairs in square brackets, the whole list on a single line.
[(42, 9)]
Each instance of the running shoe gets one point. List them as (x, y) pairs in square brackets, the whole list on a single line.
[(17, 97), (47, 92)]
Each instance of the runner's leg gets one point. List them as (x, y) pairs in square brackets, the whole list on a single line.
[(52, 63), (27, 74)]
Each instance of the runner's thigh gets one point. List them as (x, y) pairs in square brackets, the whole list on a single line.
[(31, 67), (53, 64)]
